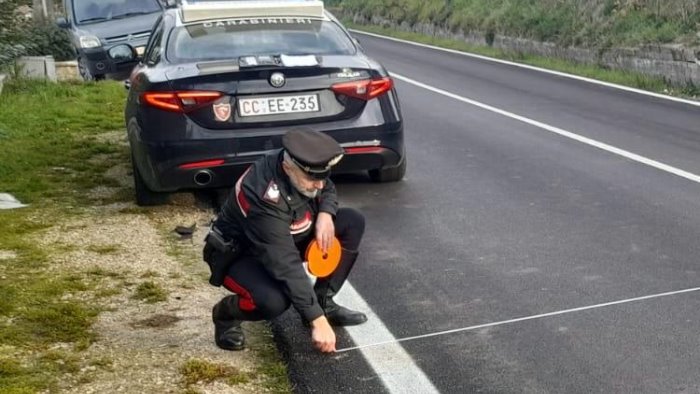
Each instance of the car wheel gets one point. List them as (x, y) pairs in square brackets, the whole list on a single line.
[(392, 174), (85, 72), (145, 196)]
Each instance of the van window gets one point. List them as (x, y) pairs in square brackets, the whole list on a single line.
[(90, 11)]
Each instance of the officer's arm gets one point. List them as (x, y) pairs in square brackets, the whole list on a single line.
[(274, 246), (328, 198)]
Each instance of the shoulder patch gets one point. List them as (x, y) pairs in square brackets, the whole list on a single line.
[(272, 194)]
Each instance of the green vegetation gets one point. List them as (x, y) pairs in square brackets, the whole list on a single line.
[(49, 138), (150, 292), (626, 78), (58, 141), (35, 310), (13, 43), (50, 132), (21, 36), (592, 23), (271, 370), (196, 370), (48, 39), (270, 373)]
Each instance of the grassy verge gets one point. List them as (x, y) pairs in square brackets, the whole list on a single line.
[(625, 78), (59, 143), (49, 139), (50, 134)]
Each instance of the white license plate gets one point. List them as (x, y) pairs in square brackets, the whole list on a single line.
[(278, 105)]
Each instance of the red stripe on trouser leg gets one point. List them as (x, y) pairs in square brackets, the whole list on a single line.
[(245, 300)]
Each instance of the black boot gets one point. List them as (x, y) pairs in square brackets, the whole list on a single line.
[(228, 333), (339, 315), (326, 288)]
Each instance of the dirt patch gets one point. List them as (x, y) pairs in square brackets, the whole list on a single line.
[(142, 346), (156, 321)]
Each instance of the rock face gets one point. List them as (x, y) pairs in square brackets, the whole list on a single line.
[(676, 64)]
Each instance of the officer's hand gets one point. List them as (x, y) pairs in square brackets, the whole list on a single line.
[(322, 335), (325, 230)]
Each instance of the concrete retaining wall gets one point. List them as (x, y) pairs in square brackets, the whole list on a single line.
[(67, 71), (674, 63), (42, 67)]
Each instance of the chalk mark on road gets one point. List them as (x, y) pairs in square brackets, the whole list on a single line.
[(519, 319)]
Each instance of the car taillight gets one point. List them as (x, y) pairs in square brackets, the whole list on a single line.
[(202, 164), (182, 101), (365, 89)]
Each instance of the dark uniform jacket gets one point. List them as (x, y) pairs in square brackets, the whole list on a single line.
[(272, 220)]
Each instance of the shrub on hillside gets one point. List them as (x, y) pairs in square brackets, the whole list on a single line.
[(13, 42), (590, 23), (49, 39)]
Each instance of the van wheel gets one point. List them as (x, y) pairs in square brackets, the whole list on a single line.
[(84, 70), (392, 174), (85, 73), (144, 196)]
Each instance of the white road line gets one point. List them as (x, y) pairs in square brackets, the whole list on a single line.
[(558, 73), (393, 342), (391, 363), (556, 130)]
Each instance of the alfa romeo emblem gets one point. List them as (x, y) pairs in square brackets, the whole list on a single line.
[(277, 80)]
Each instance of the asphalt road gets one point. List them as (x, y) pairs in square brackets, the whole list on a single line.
[(500, 219)]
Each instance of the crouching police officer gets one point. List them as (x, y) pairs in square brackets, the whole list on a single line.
[(280, 204)]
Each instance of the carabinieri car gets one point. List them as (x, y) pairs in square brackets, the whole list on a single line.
[(221, 82)]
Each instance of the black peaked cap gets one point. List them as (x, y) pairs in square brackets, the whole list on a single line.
[(313, 151)]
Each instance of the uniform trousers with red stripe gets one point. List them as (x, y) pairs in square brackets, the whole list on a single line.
[(261, 297)]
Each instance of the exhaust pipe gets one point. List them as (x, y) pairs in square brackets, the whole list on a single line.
[(203, 178)]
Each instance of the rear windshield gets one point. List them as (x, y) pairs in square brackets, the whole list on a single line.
[(217, 40), (90, 11)]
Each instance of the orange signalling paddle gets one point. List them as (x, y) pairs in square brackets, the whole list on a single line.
[(323, 264)]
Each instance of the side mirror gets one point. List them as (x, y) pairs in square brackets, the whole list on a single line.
[(62, 22), (122, 53)]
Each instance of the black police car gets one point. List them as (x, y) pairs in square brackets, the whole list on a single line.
[(108, 35), (222, 81)]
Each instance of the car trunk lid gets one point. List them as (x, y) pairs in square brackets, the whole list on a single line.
[(263, 91)]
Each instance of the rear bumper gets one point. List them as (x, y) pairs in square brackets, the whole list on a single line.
[(361, 158), (169, 166)]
